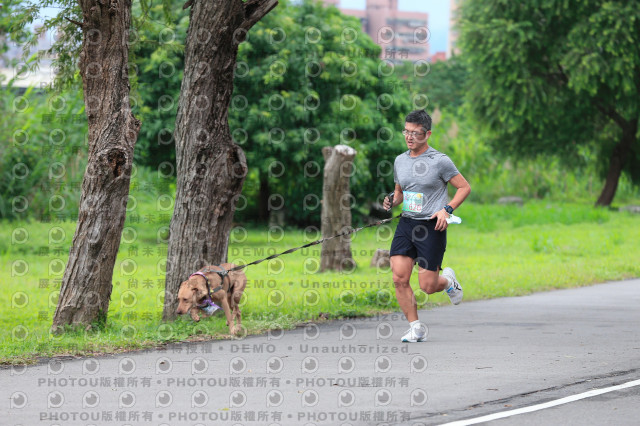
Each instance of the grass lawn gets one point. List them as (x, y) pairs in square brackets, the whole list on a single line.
[(497, 251)]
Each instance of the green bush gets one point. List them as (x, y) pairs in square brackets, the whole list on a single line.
[(44, 156)]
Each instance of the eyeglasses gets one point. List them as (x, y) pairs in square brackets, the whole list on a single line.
[(413, 134)]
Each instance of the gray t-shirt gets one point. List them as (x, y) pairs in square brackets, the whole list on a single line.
[(423, 180)]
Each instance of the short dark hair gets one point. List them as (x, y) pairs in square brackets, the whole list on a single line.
[(420, 117)]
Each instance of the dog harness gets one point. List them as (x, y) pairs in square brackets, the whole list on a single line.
[(208, 305)]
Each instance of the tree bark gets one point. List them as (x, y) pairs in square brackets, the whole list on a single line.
[(211, 168), (336, 207), (113, 131), (619, 157)]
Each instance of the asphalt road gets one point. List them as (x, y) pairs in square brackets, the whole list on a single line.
[(481, 358)]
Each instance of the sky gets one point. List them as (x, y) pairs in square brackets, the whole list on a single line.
[(438, 11)]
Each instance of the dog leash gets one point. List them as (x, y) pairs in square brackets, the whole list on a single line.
[(225, 272), (342, 234)]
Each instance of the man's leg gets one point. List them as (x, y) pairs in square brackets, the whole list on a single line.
[(401, 267), (431, 281)]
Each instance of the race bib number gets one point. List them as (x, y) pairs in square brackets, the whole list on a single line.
[(412, 201)]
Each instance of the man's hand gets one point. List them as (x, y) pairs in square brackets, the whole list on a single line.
[(442, 217), (386, 204)]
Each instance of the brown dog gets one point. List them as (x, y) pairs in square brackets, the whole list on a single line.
[(226, 292)]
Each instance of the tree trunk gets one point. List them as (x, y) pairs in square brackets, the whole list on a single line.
[(619, 157), (210, 167), (336, 207), (113, 131)]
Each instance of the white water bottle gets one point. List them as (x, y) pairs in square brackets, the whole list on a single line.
[(453, 219)]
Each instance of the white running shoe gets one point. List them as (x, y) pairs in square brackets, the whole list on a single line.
[(455, 289), (417, 333)]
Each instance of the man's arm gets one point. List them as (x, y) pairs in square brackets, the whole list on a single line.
[(463, 189), (397, 198)]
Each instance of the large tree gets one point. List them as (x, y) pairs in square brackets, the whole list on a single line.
[(551, 76), (210, 166), (92, 37), (113, 130)]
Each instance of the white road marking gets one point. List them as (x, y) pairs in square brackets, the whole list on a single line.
[(543, 406)]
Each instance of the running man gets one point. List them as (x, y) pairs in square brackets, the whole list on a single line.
[(421, 175)]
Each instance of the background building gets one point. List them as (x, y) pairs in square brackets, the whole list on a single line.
[(403, 36), (453, 32)]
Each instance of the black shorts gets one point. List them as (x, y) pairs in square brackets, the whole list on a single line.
[(419, 240)]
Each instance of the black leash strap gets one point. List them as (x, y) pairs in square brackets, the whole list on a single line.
[(342, 234)]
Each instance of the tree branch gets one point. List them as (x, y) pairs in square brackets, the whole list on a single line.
[(187, 4), (612, 114), (254, 10), (80, 24), (562, 74), (605, 110)]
